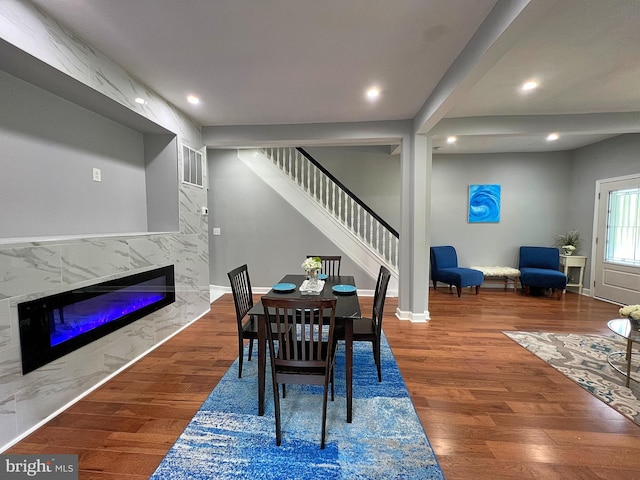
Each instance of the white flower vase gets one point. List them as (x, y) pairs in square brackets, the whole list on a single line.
[(313, 279), (567, 252)]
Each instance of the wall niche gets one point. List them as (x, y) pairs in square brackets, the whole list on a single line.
[(76, 163)]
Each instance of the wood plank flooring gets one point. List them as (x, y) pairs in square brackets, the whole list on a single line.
[(490, 409)]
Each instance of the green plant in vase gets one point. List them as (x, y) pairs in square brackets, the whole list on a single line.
[(569, 242)]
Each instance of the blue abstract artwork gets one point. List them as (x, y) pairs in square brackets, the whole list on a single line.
[(484, 203)]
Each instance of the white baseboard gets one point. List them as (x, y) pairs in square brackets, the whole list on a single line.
[(413, 317)]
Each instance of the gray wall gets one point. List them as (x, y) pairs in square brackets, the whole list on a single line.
[(543, 195), (535, 200), (616, 157), (49, 149), (370, 172), (161, 181), (259, 228)]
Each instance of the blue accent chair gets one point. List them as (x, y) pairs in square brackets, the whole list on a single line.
[(444, 268), (540, 268)]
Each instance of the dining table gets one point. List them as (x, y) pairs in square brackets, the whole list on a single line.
[(347, 309)]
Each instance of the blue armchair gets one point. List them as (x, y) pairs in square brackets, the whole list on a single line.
[(539, 267), (444, 268)]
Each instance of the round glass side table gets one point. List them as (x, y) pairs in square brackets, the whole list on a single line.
[(630, 331)]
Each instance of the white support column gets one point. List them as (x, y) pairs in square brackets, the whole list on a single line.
[(415, 208)]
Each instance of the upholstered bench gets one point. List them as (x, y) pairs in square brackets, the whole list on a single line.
[(506, 274)]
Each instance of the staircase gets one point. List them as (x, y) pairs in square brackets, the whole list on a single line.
[(315, 193)]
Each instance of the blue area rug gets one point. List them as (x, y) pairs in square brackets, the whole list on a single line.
[(226, 439)]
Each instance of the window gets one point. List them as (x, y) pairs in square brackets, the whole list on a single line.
[(191, 166), (623, 227)]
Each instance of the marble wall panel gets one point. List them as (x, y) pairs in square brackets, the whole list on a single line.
[(8, 419), (6, 338), (29, 269), (11, 378), (132, 342), (93, 259), (194, 301), (149, 251), (188, 270), (183, 246), (37, 401), (114, 82), (189, 222), (168, 325), (25, 26), (192, 199)]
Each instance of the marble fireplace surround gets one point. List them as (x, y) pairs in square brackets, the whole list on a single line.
[(34, 267), (56, 325), (32, 270)]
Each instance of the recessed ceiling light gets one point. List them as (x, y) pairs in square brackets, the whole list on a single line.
[(530, 85), (140, 100), (552, 137), (193, 99), (452, 139), (373, 93)]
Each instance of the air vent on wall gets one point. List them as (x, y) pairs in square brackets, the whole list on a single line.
[(192, 167)]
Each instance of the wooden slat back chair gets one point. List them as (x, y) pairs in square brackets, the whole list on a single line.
[(370, 329), (303, 355), (330, 263), (243, 300)]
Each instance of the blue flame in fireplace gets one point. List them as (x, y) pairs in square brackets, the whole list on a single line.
[(71, 320)]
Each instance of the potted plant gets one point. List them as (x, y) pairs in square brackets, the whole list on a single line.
[(569, 242)]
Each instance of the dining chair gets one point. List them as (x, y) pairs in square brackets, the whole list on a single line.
[(243, 300), (330, 263), (370, 329), (304, 355)]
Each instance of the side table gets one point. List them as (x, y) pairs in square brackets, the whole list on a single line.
[(573, 261)]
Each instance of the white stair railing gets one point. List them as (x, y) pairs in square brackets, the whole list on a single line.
[(347, 209)]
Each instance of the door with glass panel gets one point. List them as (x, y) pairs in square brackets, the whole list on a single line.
[(617, 254)]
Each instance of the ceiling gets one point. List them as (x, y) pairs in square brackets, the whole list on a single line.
[(455, 65)]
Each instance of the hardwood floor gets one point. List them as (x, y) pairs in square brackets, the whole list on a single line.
[(490, 409)]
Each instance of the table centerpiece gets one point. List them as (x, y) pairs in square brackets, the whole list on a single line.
[(312, 266)]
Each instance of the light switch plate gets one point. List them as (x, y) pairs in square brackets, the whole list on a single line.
[(216, 230), (97, 175)]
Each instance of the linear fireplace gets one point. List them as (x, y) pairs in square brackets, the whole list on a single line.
[(53, 326)]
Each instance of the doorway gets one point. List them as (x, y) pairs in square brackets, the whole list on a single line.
[(617, 249)]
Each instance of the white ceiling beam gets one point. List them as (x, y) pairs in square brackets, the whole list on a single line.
[(505, 25)]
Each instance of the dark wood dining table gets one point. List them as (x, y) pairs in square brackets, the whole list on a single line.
[(347, 308)]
